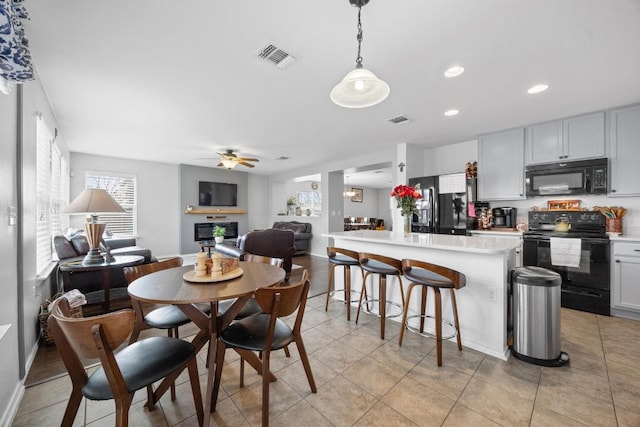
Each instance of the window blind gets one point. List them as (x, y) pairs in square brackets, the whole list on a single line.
[(123, 189)]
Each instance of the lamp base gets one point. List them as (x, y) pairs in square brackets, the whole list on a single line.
[(94, 232), (93, 257)]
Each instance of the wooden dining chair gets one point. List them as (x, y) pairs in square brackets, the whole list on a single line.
[(266, 332), (120, 375), (168, 317)]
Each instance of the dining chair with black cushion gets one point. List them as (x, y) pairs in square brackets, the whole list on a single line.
[(436, 277), (120, 375), (168, 317), (251, 307), (266, 332)]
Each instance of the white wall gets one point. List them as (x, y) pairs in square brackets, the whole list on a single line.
[(159, 207)]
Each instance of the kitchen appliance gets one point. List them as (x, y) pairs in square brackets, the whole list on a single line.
[(498, 217), (443, 207), (563, 178), (504, 217), (586, 284)]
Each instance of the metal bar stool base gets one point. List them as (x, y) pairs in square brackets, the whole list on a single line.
[(365, 303), (430, 334)]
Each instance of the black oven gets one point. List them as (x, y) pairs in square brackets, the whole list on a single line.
[(587, 286)]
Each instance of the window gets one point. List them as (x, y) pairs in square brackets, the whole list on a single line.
[(123, 189), (310, 202), (52, 194)]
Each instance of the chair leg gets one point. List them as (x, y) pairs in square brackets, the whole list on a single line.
[(135, 334), (347, 289), (423, 307), (406, 312), (382, 306), (72, 407), (332, 267), (286, 351), (438, 310), (194, 379), (455, 319), (170, 333), (241, 371), (122, 410), (265, 387), (305, 363)]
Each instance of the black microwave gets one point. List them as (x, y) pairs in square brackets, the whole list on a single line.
[(567, 178)]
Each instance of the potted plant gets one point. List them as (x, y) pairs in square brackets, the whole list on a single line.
[(218, 234)]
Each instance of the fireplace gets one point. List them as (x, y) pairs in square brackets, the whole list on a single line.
[(204, 230)]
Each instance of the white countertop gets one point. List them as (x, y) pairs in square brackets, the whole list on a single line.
[(626, 237), (474, 244)]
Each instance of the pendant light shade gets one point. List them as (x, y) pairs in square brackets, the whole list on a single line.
[(359, 88)]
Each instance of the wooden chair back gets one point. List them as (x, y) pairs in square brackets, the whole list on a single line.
[(332, 251), (458, 279), (79, 333), (395, 263), (137, 271), (281, 301), (249, 257)]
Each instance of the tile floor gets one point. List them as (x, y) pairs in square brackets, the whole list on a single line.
[(365, 381)]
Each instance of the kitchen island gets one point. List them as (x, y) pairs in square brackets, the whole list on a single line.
[(485, 260)]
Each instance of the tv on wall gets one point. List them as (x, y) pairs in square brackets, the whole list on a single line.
[(217, 194)]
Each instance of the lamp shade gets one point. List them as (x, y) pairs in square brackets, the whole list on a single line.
[(93, 200), (359, 88)]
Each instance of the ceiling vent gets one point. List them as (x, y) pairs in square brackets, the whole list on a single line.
[(283, 158), (274, 54), (399, 119)]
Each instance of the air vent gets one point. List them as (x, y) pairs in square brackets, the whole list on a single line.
[(283, 158), (279, 57), (399, 119)]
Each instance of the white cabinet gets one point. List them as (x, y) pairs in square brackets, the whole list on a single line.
[(625, 280), (501, 165), (624, 151), (574, 138)]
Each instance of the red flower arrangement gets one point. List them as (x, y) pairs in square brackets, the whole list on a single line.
[(406, 197)]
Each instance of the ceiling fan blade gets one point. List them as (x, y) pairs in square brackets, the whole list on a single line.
[(248, 159), (249, 165)]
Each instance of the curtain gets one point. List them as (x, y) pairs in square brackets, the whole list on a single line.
[(15, 58)]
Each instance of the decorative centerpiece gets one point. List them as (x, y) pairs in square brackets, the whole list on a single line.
[(406, 199), (218, 234)]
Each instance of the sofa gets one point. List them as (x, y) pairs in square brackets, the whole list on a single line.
[(74, 247), (301, 234), (270, 242)]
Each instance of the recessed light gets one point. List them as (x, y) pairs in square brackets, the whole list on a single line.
[(538, 88), (454, 71), (451, 112)]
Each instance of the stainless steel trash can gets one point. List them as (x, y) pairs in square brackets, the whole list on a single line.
[(536, 316)]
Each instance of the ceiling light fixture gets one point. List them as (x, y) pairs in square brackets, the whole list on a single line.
[(360, 87), (348, 192), (454, 71), (450, 113), (538, 88), (229, 163)]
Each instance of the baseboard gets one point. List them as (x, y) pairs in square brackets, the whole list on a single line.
[(13, 405)]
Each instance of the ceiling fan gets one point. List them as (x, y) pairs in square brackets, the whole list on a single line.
[(230, 160)]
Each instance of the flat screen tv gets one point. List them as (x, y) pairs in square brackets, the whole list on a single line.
[(217, 194)]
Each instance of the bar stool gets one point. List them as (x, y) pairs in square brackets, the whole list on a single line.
[(435, 277), (382, 266), (339, 257)]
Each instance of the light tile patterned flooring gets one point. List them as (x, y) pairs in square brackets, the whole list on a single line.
[(365, 381)]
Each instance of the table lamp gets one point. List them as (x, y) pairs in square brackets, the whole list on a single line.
[(93, 201)]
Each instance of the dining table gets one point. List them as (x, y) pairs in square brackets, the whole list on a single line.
[(170, 287)]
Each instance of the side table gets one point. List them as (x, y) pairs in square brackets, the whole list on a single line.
[(105, 295)]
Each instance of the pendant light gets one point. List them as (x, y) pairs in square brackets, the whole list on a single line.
[(348, 192), (360, 87)]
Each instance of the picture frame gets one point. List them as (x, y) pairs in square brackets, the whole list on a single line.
[(357, 195)]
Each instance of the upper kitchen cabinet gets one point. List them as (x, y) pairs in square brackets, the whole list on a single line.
[(501, 165), (624, 151), (574, 138)]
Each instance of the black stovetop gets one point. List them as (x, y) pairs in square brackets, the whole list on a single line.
[(584, 224)]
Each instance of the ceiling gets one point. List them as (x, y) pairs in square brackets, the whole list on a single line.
[(176, 82)]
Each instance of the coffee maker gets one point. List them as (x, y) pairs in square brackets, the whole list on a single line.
[(504, 217)]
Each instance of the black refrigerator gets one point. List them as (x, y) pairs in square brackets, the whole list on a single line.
[(443, 207)]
